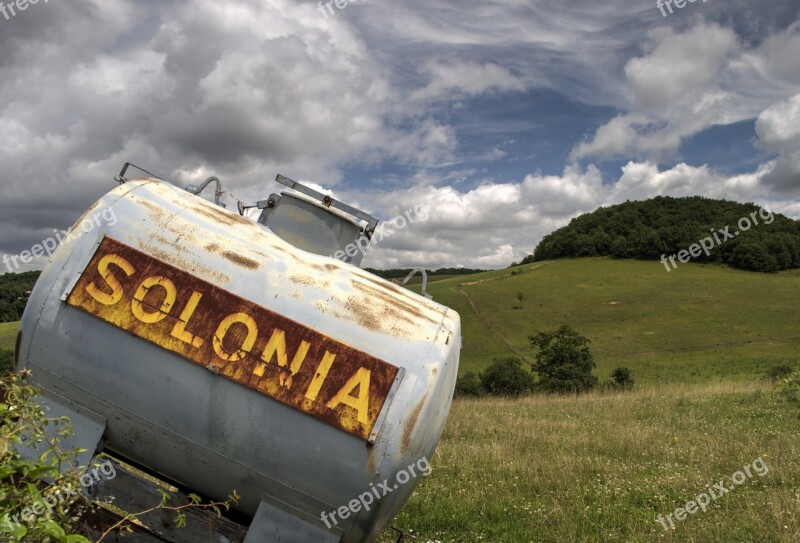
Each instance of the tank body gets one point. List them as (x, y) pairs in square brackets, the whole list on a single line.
[(224, 358)]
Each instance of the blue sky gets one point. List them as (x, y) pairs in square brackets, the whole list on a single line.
[(507, 118)]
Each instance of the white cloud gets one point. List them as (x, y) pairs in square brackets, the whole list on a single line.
[(495, 224), (245, 89), (689, 81), (452, 80), (679, 64), (778, 129)]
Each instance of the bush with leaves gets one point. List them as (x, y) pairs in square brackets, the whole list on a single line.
[(622, 378), (790, 387), (507, 377), (469, 384), (779, 373), (6, 362), (563, 363), (40, 500), (27, 485)]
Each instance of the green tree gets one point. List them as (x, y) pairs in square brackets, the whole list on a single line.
[(507, 377), (469, 384), (622, 378), (564, 362)]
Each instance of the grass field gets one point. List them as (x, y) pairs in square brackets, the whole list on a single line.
[(698, 323), (8, 334), (602, 467)]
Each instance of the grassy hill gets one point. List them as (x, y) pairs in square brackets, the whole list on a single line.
[(698, 323)]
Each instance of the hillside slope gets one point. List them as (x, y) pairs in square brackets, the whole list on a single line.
[(699, 323)]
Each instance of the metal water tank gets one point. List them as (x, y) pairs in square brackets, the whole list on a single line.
[(203, 346)]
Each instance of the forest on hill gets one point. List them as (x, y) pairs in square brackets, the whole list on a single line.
[(743, 236), (401, 273), (14, 289)]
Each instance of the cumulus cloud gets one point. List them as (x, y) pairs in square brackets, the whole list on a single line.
[(245, 89), (778, 129), (452, 80), (689, 81), (497, 223)]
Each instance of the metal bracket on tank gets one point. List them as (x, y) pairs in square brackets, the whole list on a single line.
[(276, 520), (82, 264), (424, 281), (121, 179), (386, 404), (87, 429)]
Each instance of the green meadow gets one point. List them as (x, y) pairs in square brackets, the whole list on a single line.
[(601, 467), (695, 324), (8, 334)]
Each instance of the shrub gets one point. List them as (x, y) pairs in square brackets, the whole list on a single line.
[(507, 377), (564, 363), (779, 373), (469, 384), (24, 483), (6, 362), (36, 501), (791, 389), (622, 378)]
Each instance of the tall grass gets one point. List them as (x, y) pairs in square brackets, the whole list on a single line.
[(601, 467)]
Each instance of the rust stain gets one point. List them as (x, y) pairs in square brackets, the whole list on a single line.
[(376, 317), (217, 215), (309, 281), (158, 213), (235, 338), (397, 289), (390, 301), (324, 267), (411, 424), (213, 247), (173, 258), (277, 247), (242, 261), (85, 214), (372, 462)]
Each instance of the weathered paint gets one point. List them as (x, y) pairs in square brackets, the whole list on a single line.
[(234, 337), (209, 432)]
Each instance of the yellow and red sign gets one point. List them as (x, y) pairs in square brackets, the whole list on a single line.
[(234, 337)]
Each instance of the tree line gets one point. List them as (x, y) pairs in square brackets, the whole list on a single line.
[(401, 273), (14, 289), (666, 226)]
